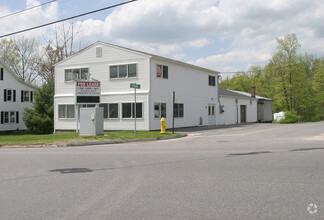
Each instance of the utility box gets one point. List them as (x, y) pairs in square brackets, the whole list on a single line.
[(91, 121)]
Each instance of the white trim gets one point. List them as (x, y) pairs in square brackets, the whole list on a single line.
[(63, 95), (124, 93), (229, 96), (106, 94)]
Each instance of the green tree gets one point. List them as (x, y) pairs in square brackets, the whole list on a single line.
[(39, 119), (294, 82), (283, 65), (318, 87), (241, 81)]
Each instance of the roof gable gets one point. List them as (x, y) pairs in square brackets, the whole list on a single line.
[(148, 55), (14, 75), (238, 94)]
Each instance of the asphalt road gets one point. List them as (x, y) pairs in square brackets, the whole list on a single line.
[(256, 171)]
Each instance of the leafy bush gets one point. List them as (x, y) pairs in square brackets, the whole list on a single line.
[(37, 123), (290, 117), (40, 119)]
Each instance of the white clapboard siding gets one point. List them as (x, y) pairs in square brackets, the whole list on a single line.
[(11, 82)]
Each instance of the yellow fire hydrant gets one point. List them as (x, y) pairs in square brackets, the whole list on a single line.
[(163, 125)]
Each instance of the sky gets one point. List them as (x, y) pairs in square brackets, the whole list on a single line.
[(222, 35)]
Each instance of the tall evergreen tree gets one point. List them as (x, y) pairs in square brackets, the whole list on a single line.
[(39, 119)]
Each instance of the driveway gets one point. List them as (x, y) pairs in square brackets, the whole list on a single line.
[(255, 171)]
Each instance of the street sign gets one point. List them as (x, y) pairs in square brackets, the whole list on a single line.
[(135, 86)]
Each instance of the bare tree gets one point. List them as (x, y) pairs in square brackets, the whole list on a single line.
[(58, 48), (22, 56)]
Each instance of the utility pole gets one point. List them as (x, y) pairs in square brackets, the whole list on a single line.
[(173, 102)]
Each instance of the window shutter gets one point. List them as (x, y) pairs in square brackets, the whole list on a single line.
[(165, 72), (14, 95), (1, 74), (17, 117), (31, 96), (22, 95), (4, 95), (1, 117)]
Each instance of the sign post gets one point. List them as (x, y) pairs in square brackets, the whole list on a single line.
[(135, 86)]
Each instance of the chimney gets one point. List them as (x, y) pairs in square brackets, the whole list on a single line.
[(253, 91)]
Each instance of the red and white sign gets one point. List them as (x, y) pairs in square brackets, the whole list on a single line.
[(88, 88)]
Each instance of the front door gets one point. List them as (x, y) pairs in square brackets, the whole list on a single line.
[(211, 114), (243, 113)]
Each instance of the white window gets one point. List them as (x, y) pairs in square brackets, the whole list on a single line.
[(26, 96), (159, 110), (212, 80), (178, 110), (9, 95), (128, 110), (162, 71), (9, 117), (110, 110), (75, 74), (66, 111), (123, 71)]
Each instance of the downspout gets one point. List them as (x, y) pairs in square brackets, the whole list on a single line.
[(219, 77), (149, 92)]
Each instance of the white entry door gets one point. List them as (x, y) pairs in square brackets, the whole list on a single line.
[(211, 114)]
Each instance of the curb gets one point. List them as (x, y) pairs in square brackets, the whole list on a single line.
[(127, 141)]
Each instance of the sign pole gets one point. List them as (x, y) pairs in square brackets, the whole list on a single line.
[(135, 109), (77, 118), (135, 86)]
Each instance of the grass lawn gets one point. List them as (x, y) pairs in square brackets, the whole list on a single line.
[(64, 138)]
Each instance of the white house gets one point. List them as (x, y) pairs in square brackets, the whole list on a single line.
[(15, 95), (116, 67), (237, 108), (242, 107)]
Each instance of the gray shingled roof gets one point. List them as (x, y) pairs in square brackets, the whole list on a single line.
[(224, 92), (238, 94)]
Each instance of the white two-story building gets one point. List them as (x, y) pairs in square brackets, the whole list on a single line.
[(15, 95), (196, 95)]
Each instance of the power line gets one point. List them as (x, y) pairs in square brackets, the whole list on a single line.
[(69, 18), (27, 9)]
